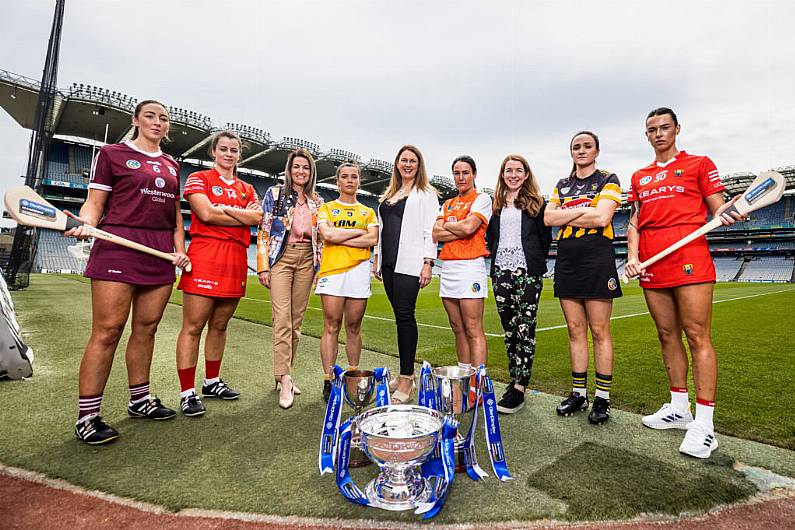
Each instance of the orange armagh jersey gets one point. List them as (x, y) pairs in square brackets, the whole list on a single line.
[(236, 193), (672, 193), (458, 209)]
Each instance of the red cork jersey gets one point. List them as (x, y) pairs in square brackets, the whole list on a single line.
[(220, 192), (672, 193), (143, 187), (458, 209)]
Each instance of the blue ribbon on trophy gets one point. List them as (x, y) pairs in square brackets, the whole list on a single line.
[(440, 470), (331, 422), (473, 469), (382, 387), (426, 396), (344, 481), (492, 426)]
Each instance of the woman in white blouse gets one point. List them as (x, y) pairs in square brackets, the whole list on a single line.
[(518, 243), (405, 254)]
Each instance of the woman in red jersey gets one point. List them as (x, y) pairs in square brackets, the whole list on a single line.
[(224, 208), (134, 193), (670, 199), (461, 228)]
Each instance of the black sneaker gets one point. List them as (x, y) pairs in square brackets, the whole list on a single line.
[(220, 390), (150, 408), (512, 401), (326, 390), (94, 431), (600, 412), (574, 403), (192, 406)]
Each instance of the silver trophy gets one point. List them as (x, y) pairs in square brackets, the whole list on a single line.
[(399, 438), (451, 388), (358, 389)]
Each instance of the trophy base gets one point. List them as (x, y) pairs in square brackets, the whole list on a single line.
[(398, 498), (358, 458)]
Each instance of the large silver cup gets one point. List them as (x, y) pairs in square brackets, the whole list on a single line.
[(358, 389), (451, 388), (399, 438)]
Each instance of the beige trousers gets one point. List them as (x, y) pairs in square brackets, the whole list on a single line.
[(291, 284)]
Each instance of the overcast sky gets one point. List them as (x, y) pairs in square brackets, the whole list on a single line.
[(481, 78)]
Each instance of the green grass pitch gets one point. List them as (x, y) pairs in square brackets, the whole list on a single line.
[(251, 456)]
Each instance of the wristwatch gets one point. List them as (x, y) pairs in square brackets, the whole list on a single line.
[(429, 261)]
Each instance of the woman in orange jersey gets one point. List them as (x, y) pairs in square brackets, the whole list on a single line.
[(582, 206), (461, 228), (224, 207)]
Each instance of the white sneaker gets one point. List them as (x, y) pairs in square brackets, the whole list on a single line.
[(668, 417), (698, 441)]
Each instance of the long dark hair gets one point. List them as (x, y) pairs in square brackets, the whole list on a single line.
[(232, 135), (662, 111), (573, 173)]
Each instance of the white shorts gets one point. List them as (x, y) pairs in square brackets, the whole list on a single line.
[(353, 283), (466, 278)]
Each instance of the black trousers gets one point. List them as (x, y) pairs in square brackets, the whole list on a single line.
[(402, 291)]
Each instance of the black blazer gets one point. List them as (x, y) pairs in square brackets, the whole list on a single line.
[(536, 239)]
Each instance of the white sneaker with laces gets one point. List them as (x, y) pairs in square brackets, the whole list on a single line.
[(668, 417), (698, 441)]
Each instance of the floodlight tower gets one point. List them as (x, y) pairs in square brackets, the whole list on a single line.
[(23, 251)]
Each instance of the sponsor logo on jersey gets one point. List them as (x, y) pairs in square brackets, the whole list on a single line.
[(363, 213), (565, 190), (172, 171), (678, 172), (687, 268), (451, 219), (661, 189), (593, 187), (133, 164), (659, 177), (349, 213), (645, 180), (323, 280), (218, 191), (335, 211), (612, 284), (476, 287), (345, 223), (160, 182)]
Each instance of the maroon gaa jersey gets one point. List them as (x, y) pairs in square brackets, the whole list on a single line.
[(143, 187)]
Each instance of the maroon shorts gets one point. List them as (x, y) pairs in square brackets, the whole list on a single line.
[(218, 268), (690, 264), (112, 262)]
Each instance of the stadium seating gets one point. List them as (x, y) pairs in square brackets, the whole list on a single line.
[(768, 269), (52, 254), (726, 268)]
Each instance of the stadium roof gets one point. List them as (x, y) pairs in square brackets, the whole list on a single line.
[(98, 114)]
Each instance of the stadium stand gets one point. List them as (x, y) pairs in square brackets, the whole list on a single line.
[(53, 256), (768, 269), (726, 268)]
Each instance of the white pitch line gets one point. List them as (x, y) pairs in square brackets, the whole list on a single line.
[(550, 328)]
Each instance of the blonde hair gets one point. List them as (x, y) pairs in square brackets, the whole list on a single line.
[(421, 181), (309, 189), (528, 199)]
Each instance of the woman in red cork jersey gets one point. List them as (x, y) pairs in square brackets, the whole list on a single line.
[(463, 284), (134, 193), (224, 208), (670, 199)]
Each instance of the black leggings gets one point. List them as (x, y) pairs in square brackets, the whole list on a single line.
[(402, 291)]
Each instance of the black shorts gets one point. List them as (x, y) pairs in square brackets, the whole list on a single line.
[(586, 268)]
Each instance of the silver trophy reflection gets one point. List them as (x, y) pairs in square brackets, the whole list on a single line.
[(358, 389), (451, 388), (399, 438)]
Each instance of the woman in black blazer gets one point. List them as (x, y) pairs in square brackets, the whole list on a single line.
[(518, 243)]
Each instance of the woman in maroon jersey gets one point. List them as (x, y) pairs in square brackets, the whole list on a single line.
[(134, 193), (224, 207)]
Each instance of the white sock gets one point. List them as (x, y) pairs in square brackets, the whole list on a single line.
[(604, 394), (187, 393), (704, 414), (211, 381), (581, 391), (680, 400), (140, 399)]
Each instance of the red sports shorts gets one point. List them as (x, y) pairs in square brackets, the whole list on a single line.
[(690, 264), (218, 268)]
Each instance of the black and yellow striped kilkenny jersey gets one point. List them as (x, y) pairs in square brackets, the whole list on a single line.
[(573, 192)]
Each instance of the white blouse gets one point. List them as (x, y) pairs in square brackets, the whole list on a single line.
[(510, 255)]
